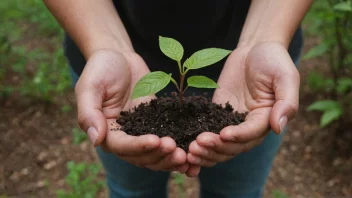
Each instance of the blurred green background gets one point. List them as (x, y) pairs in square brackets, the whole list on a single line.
[(35, 80)]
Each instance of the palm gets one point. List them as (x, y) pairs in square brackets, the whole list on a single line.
[(119, 82), (246, 85), (102, 92), (261, 80)]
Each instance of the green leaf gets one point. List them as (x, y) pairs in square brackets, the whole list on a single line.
[(343, 85), (343, 6), (318, 82), (324, 105), (201, 82), (171, 48), (330, 116), (150, 84), (206, 57), (318, 50)]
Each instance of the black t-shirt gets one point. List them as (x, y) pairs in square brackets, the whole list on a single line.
[(197, 24)]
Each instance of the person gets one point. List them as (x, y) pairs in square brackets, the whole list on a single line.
[(110, 45)]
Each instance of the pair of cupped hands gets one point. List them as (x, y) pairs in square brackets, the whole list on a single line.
[(261, 79)]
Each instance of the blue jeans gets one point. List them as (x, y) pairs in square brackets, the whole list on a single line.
[(243, 176)]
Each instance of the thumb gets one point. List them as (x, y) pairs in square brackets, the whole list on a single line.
[(286, 89), (90, 116)]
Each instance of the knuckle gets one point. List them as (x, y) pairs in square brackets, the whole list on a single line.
[(293, 107), (82, 119)]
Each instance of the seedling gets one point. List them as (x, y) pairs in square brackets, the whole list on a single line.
[(154, 82)]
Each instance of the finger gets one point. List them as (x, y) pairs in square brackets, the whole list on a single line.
[(286, 97), (174, 159), (213, 141), (167, 146), (249, 145), (203, 155), (183, 168), (90, 116), (254, 127), (121, 144), (200, 161), (193, 170)]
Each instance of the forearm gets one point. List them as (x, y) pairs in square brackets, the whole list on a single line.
[(92, 24), (273, 20)]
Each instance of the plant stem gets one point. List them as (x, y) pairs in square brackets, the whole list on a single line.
[(185, 89), (174, 81), (182, 79), (179, 67)]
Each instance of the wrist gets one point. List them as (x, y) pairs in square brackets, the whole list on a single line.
[(250, 41), (107, 43)]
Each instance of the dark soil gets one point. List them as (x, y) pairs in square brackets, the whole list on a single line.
[(165, 116)]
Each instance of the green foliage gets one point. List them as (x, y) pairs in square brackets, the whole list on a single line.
[(344, 85), (78, 136), (316, 51), (279, 194), (201, 82), (171, 48), (343, 6), (319, 82), (332, 110), (331, 21), (151, 83), (323, 105), (156, 81), (42, 71), (205, 57), (66, 108), (82, 181), (179, 181)]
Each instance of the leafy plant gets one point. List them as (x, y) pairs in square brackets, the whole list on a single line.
[(82, 181), (78, 136), (336, 46), (41, 72), (179, 181), (331, 109), (154, 82)]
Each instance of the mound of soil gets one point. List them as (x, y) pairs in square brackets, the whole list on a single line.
[(165, 116)]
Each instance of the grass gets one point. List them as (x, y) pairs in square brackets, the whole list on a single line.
[(31, 50), (78, 136), (82, 181)]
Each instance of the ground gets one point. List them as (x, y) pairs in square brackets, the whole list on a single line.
[(37, 138), (37, 142)]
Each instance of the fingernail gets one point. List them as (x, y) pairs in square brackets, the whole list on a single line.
[(282, 123), (92, 135)]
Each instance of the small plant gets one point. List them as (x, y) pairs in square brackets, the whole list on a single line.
[(179, 181), (78, 136), (82, 180), (331, 20), (156, 81)]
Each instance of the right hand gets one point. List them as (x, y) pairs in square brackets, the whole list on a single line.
[(102, 92)]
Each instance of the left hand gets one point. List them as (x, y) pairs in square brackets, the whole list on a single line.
[(262, 80)]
